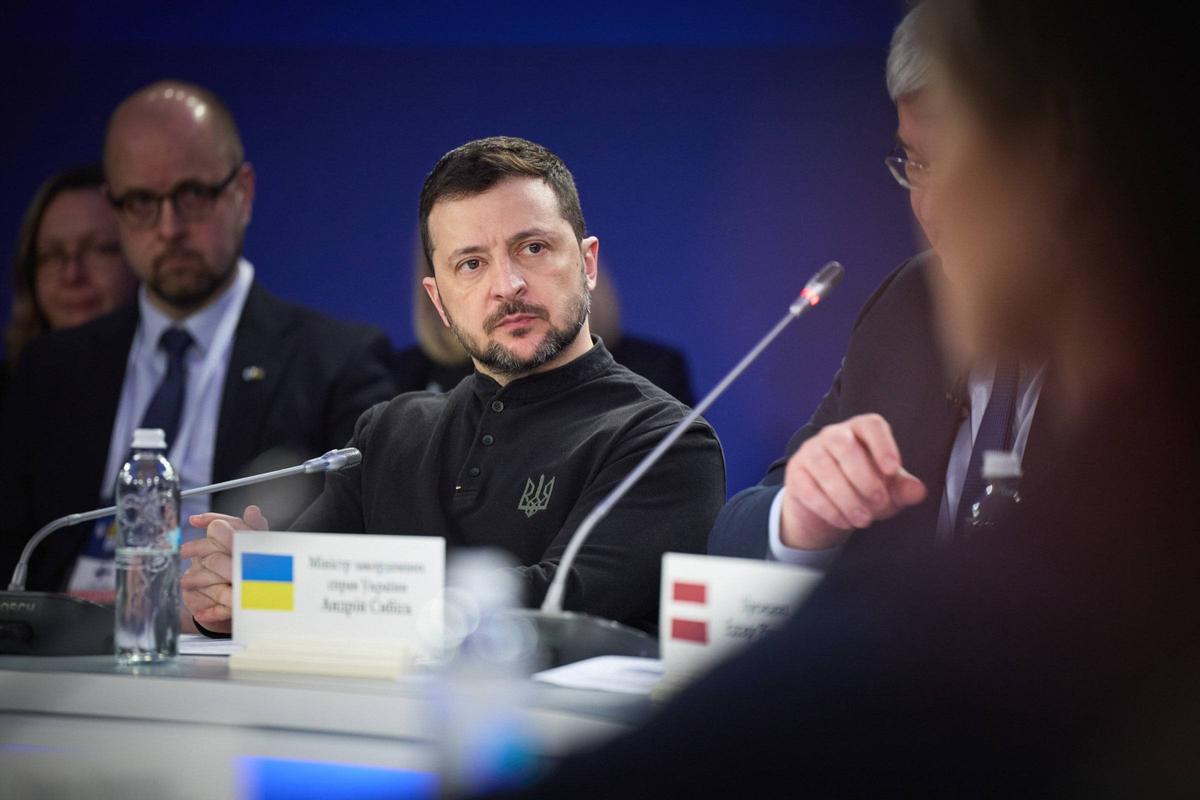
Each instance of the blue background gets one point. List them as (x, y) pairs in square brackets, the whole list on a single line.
[(723, 152)]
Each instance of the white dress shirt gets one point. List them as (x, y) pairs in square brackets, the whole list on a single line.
[(212, 329), (979, 392)]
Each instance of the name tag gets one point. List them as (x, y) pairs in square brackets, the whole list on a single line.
[(314, 587), (711, 607)]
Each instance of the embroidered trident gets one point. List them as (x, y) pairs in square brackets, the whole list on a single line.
[(536, 498)]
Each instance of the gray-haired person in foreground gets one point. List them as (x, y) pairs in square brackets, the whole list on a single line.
[(891, 456)]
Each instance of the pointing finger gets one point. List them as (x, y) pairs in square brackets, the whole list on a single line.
[(907, 490), (875, 432)]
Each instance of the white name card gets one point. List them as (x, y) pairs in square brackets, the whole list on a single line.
[(337, 587), (711, 606)]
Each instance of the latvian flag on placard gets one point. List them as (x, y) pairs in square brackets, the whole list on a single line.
[(689, 630)]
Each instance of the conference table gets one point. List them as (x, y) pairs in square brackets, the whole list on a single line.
[(88, 727)]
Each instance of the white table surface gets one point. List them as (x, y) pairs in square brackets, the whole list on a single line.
[(74, 726)]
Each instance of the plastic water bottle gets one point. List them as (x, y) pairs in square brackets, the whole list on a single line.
[(148, 532), (1001, 493)]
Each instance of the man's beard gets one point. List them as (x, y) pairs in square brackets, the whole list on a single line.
[(503, 361), (204, 282)]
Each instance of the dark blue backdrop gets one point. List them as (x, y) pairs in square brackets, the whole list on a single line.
[(722, 152)]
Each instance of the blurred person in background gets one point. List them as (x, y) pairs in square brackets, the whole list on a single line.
[(68, 268), (438, 362), (1055, 654), (240, 380)]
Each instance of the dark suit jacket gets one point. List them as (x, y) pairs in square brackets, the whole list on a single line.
[(893, 367), (663, 366), (318, 375)]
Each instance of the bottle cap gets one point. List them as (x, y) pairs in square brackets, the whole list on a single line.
[(1000, 464), (149, 439)]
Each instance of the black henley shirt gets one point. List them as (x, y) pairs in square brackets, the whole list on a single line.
[(518, 467)]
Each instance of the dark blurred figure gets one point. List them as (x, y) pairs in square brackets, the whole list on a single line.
[(68, 268), (438, 362), (1058, 655)]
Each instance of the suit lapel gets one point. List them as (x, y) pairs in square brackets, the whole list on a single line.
[(105, 365), (1038, 464), (88, 439), (927, 441), (256, 364), (939, 421)]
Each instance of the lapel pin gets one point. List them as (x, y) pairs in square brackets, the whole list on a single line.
[(253, 374)]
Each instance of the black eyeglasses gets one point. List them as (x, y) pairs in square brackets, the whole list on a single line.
[(192, 201), (908, 172), (91, 255)]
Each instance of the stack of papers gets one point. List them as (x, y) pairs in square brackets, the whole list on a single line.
[(195, 644), (622, 674)]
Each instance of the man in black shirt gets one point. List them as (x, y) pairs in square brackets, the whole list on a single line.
[(516, 456)]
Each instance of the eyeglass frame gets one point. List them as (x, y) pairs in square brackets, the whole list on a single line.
[(43, 268), (208, 192), (898, 163)]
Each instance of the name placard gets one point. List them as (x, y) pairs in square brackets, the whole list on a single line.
[(711, 606), (337, 587)]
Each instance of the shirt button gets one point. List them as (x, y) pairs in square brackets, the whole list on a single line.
[(488, 440), (497, 406), (473, 472)]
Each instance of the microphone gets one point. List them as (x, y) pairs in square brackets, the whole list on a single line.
[(570, 636), (46, 623), (332, 461)]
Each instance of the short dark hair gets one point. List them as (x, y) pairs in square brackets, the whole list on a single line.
[(477, 166), (28, 319)]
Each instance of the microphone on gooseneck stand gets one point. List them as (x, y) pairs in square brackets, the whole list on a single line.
[(568, 636), (45, 623)]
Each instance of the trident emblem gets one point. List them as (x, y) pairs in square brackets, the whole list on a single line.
[(536, 498)]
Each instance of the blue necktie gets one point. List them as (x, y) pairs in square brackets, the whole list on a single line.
[(166, 407), (995, 433)]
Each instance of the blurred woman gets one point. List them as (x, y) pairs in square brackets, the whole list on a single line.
[(68, 268), (1065, 179), (1057, 654)]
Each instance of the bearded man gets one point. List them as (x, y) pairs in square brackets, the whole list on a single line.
[(519, 453)]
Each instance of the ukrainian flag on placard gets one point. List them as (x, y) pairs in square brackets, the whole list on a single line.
[(267, 582)]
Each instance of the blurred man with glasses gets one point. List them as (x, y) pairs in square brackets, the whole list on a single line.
[(239, 379), (892, 457)]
